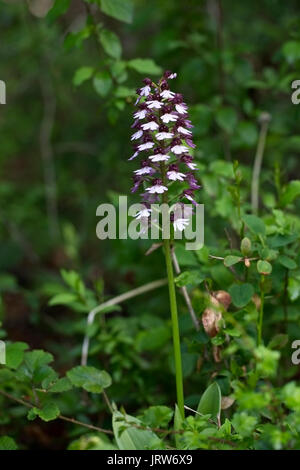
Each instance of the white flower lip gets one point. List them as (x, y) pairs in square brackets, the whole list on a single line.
[(175, 175), (154, 104), (137, 135), (159, 157), (145, 91), (140, 114), (178, 149), (167, 94), (192, 166), (157, 188), (164, 135), (184, 131), (169, 118), (152, 126), (144, 171), (145, 146), (143, 213), (180, 224), (180, 108)]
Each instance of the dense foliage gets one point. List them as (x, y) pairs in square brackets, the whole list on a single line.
[(71, 68)]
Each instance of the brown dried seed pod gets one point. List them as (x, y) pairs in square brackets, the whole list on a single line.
[(256, 300), (247, 262), (226, 402), (223, 297), (210, 321)]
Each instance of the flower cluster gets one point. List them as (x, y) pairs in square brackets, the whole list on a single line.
[(162, 134)]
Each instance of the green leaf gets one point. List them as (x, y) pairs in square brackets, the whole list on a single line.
[(59, 8), (120, 9), (278, 341), (145, 66), (264, 267), (291, 51), (255, 224), (89, 378), (64, 298), (62, 385), (111, 43), (157, 416), (291, 191), (34, 366), (82, 74), (210, 402), (287, 262), (7, 443), (241, 294), (230, 260), (102, 82), (227, 119), (15, 354), (155, 338), (48, 412), (129, 437), (178, 423), (189, 277)]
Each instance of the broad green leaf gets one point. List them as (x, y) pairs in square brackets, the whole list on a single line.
[(241, 294), (59, 8), (264, 267), (155, 338), (7, 443), (157, 416), (189, 277), (89, 378), (34, 366), (145, 66), (128, 436), (230, 260), (82, 74), (255, 224), (291, 191), (287, 262), (210, 402), (120, 9), (15, 354), (48, 412), (293, 289), (102, 82), (66, 298), (62, 385), (111, 43)]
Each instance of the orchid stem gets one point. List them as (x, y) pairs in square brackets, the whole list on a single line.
[(175, 327)]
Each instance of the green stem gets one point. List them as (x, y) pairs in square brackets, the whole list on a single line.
[(261, 312), (175, 327)]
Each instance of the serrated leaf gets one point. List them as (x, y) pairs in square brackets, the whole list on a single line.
[(62, 385), (15, 354), (48, 412), (230, 260), (145, 66), (210, 402), (157, 416), (120, 9), (241, 294), (89, 378), (111, 43)]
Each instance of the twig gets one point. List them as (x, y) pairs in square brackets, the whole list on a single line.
[(185, 293), (115, 301), (61, 417), (264, 121)]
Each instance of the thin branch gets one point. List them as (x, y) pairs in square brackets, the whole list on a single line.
[(185, 293), (61, 417), (115, 301), (264, 121)]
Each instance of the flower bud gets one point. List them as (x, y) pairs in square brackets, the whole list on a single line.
[(246, 246)]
